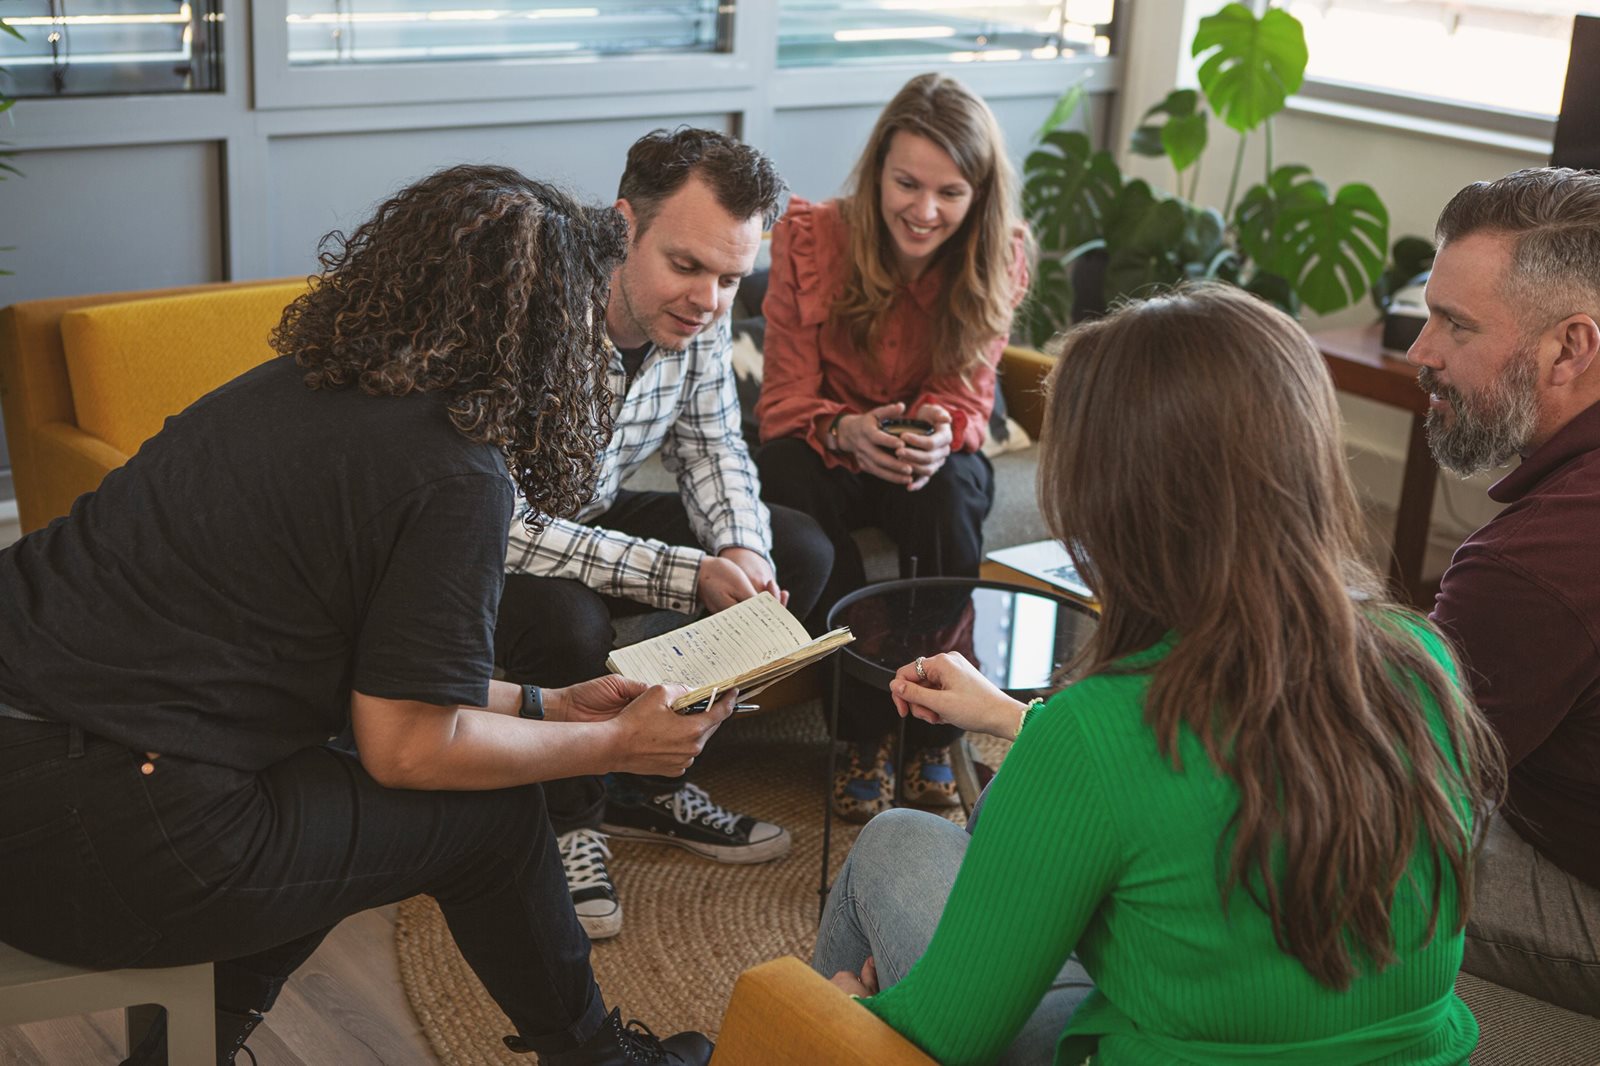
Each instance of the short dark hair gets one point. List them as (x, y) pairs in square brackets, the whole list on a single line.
[(743, 180), (1552, 216)]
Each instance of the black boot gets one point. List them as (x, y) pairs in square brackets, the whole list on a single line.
[(233, 1029), (614, 1044)]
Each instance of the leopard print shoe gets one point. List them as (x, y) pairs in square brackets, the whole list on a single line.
[(864, 786)]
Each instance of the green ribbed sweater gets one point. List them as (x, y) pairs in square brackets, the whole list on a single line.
[(1090, 840)]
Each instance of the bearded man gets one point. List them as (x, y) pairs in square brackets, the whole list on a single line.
[(1508, 360)]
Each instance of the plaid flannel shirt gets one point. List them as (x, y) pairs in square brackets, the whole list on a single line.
[(683, 404)]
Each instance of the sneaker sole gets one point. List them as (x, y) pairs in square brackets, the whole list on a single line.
[(600, 927), (733, 855)]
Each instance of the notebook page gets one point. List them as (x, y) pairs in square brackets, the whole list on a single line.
[(719, 646)]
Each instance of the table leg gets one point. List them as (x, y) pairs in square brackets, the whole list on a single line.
[(1413, 517), (827, 790)]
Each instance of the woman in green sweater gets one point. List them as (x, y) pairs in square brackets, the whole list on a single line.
[(1251, 819)]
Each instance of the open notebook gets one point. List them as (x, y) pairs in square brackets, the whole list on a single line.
[(748, 647)]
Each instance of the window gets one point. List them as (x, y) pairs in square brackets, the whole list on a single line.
[(96, 47), (1508, 55), (833, 32), (328, 32)]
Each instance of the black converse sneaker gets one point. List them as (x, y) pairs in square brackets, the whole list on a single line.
[(615, 1044), (594, 897), (690, 820)]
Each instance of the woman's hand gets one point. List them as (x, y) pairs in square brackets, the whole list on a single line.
[(592, 701), (874, 450), (865, 985), (955, 693), (925, 453)]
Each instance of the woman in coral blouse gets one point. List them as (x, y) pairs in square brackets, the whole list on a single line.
[(894, 303)]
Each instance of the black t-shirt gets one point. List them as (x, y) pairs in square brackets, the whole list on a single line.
[(271, 549)]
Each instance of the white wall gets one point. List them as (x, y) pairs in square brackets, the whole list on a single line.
[(1414, 169)]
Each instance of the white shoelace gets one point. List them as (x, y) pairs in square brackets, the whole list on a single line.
[(691, 802), (583, 859)]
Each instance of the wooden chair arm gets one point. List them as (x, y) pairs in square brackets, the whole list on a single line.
[(783, 1012)]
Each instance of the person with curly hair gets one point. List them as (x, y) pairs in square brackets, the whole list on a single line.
[(695, 201), (315, 547)]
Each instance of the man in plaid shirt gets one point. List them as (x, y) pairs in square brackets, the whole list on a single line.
[(696, 202)]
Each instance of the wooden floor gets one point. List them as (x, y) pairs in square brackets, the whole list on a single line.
[(344, 1007)]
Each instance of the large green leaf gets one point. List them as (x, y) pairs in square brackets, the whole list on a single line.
[(1048, 309), (1144, 239), (1338, 246), (1256, 65), (1263, 234), (1066, 189), (1181, 138), (1064, 109)]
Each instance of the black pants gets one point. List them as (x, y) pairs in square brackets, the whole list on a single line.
[(104, 866), (556, 631), (941, 524)]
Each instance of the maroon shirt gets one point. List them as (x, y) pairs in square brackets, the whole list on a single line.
[(1521, 600)]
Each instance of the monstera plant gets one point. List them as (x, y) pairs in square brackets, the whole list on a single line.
[(1288, 237)]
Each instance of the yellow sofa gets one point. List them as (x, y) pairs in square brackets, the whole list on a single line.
[(85, 380), (783, 1012)]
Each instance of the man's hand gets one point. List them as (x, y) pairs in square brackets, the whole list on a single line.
[(649, 737), (758, 570), (599, 700), (874, 450), (926, 453), (722, 583)]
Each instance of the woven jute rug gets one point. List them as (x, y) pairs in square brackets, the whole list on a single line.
[(690, 926)]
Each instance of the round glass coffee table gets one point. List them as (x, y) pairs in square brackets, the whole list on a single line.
[(1017, 637)]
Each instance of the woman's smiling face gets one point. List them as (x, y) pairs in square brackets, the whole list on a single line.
[(923, 197)]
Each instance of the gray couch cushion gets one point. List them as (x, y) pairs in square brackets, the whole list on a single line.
[(1519, 1030)]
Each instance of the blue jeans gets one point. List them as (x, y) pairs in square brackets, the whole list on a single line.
[(887, 901)]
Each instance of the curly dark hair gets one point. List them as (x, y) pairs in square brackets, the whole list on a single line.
[(743, 180), (484, 284)]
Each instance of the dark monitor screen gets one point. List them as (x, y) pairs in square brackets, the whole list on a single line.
[(1577, 142)]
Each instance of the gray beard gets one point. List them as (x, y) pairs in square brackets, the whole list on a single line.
[(1489, 428)]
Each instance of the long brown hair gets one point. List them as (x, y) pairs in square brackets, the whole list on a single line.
[(1194, 465), (978, 292), (481, 283)]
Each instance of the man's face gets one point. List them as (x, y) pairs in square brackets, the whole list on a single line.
[(1479, 363), (682, 271)]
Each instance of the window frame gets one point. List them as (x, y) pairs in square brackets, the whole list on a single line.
[(280, 86)]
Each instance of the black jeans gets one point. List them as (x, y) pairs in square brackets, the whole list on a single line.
[(556, 631), (941, 524), (102, 865)]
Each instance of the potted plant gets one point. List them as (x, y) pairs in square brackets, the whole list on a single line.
[(1287, 237)]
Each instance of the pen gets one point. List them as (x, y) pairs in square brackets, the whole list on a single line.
[(702, 706)]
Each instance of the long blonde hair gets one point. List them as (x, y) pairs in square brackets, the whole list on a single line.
[(978, 293), (1193, 460)]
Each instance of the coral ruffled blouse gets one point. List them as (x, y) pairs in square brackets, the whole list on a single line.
[(813, 371)]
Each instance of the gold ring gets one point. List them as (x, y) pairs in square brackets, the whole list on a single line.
[(922, 675)]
